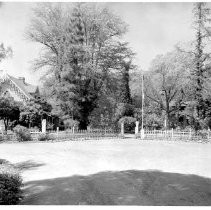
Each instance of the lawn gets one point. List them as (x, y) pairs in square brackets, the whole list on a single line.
[(113, 172)]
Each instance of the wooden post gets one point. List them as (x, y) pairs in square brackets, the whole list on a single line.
[(190, 134), (73, 129), (172, 134), (136, 128), (142, 134), (43, 125), (122, 128), (57, 132)]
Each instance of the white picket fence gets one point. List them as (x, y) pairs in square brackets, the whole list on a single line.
[(98, 134), (95, 134), (175, 135)]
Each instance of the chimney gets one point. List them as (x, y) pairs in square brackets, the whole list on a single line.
[(22, 79)]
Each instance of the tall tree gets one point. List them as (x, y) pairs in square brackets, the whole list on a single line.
[(165, 82), (199, 73), (4, 53), (79, 42), (199, 80), (125, 94)]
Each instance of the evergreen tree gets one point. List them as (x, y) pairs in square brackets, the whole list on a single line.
[(125, 95), (82, 52), (200, 70)]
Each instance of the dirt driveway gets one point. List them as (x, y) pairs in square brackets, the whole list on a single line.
[(113, 172)]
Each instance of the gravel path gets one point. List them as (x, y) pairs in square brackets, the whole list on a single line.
[(89, 170)]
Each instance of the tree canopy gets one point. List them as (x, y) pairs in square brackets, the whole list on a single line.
[(82, 50), (9, 111)]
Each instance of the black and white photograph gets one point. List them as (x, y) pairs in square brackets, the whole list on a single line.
[(105, 103)]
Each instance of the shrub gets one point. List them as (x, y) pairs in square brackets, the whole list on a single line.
[(69, 123), (22, 133), (3, 161), (34, 129), (10, 185), (129, 124), (127, 119), (44, 137), (1, 138), (49, 126)]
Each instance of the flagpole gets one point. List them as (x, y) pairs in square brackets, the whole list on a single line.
[(142, 107)]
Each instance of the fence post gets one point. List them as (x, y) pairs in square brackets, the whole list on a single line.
[(122, 128), (142, 134), (172, 134), (136, 128), (57, 132), (43, 125), (190, 134)]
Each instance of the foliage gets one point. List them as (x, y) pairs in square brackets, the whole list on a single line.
[(9, 111), (153, 121), (10, 185), (44, 137), (125, 95), (5, 52), (103, 115), (127, 120), (165, 83), (3, 161), (49, 126), (32, 113), (22, 133), (129, 123), (191, 114), (70, 123), (34, 129), (82, 50), (198, 85), (136, 87), (123, 109), (201, 70)]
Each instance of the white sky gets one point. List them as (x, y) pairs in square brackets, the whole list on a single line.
[(154, 28)]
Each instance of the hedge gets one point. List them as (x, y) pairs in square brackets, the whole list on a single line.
[(10, 184)]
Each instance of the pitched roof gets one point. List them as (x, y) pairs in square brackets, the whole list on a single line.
[(27, 89)]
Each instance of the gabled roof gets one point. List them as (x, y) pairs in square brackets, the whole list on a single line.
[(27, 89)]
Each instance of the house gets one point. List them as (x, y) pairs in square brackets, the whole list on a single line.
[(17, 88)]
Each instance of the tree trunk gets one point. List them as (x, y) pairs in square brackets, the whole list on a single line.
[(83, 125), (6, 125), (167, 120)]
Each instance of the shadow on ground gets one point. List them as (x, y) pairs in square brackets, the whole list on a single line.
[(130, 187), (28, 165)]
